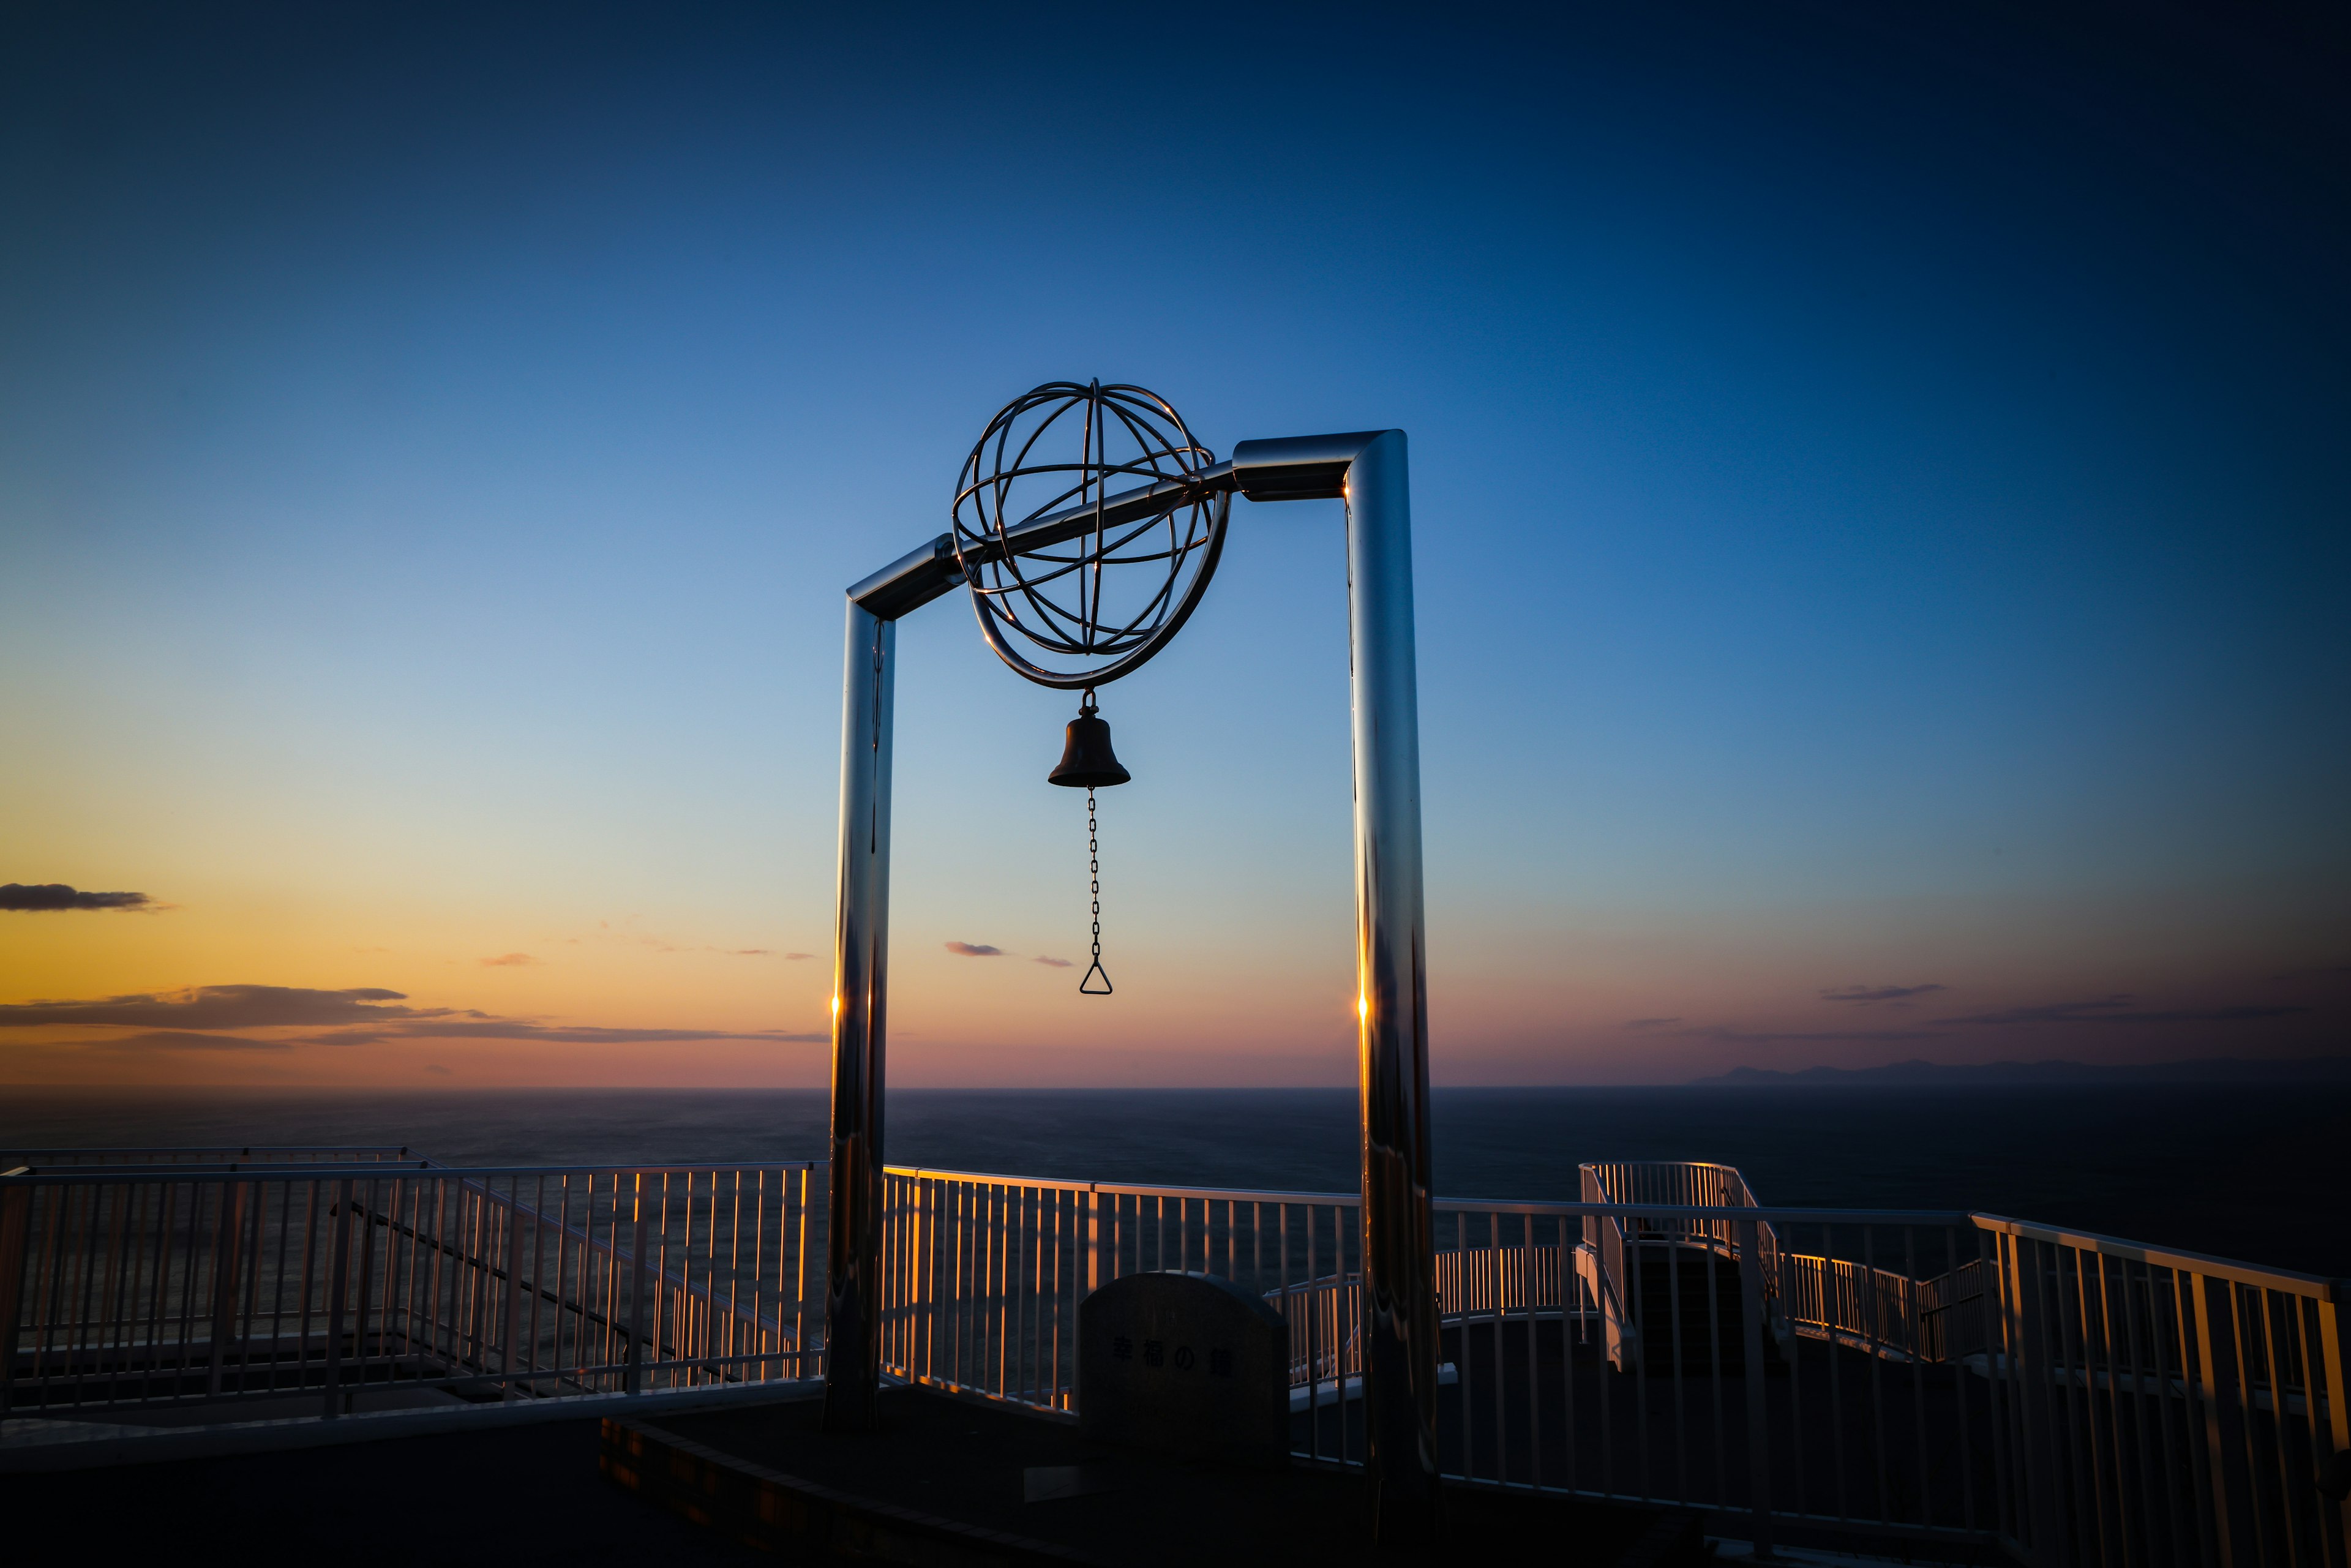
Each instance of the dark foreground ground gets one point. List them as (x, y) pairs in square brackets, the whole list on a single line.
[(945, 1479), (517, 1496), (956, 1481)]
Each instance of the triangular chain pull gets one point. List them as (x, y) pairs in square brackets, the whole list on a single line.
[(1093, 871)]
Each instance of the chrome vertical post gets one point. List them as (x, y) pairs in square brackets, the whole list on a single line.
[(1399, 1289), (853, 1301), (1367, 470)]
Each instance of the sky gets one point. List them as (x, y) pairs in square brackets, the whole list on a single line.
[(1879, 502)]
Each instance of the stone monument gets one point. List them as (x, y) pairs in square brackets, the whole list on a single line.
[(1186, 1363)]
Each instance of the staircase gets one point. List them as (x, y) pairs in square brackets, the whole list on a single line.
[(1654, 1276), (1670, 1307)]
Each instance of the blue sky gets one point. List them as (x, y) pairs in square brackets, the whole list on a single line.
[(1879, 500)]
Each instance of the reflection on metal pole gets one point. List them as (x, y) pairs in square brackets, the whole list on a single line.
[(1399, 1254), (1367, 469), (852, 1303)]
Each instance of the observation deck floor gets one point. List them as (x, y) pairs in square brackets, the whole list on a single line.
[(946, 1481)]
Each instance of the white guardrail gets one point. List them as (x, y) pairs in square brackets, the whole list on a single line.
[(377, 1282), (1940, 1381), (1797, 1373)]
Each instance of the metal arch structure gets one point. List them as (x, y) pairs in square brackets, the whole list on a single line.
[(1367, 470)]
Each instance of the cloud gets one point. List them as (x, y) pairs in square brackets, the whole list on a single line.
[(183, 1040), (49, 896), (663, 944), (1649, 1023), (479, 1026), (1056, 963), (435, 1068), (975, 949), (2324, 971), (1878, 993), (1782, 1036), (221, 1006), (2118, 1010), (362, 1016), (509, 961), (797, 955)]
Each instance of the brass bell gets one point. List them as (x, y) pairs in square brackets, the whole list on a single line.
[(1087, 761)]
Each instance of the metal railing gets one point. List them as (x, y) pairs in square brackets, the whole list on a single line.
[(1851, 1302), (2164, 1407), (198, 1283), (1803, 1375), (983, 1275), (211, 1155), (1908, 1377)]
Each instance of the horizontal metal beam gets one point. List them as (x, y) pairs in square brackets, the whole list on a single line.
[(1300, 467), (1117, 511), (1291, 468), (911, 581), (914, 580), (2286, 1280)]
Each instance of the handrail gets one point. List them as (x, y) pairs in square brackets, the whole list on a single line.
[(381, 1170), (178, 1283), (1538, 1206), (2317, 1286), (251, 1150), (60, 1176), (2199, 1392), (678, 1276), (1125, 1189)]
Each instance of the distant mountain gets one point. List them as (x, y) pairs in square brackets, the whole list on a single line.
[(1894, 1074)]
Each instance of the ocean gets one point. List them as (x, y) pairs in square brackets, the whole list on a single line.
[(2246, 1172)]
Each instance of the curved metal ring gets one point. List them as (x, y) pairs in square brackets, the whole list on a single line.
[(1135, 660), (1002, 590)]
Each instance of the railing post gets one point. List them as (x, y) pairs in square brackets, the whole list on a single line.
[(338, 1292), (2331, 1339), (906, 1271), (2225, 1418), (1759, 1448), (227, 1263), (635, 1377), (2043, 1464), (934, 1296), (1093, 1239), (16, 1236), (512, 1328)]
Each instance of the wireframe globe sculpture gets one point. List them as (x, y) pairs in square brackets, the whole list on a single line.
[(1073, 587)]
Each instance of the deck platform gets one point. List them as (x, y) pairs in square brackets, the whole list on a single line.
[(497, 1498), (948, 1482)]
